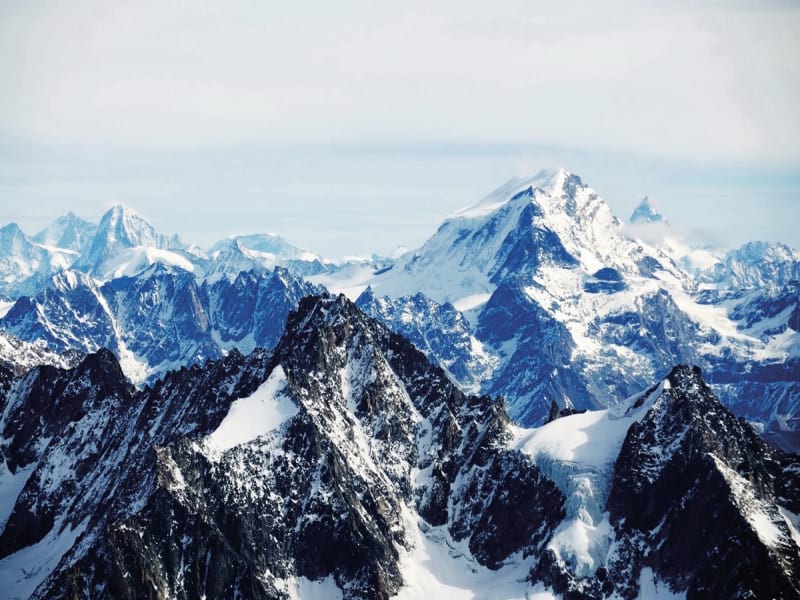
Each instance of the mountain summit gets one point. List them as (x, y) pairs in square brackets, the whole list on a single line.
[(646, 212), (121, 231), (69, 232)]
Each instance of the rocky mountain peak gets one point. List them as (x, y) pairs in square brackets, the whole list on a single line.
[(121, 229), (689, 453), (101, 367)]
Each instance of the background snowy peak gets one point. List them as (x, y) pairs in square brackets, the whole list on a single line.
[(68, 232), (646, 212), (24, 264), (122, 230), (537, 293), (755, 265)]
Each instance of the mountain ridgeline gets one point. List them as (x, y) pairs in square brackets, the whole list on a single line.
[(540, 401), (344, 464)]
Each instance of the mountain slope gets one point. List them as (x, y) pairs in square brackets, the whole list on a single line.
[(197, 491), (344, 465), (565, 304), (439, 330), (68, 232), (25, 265), (159, 320)]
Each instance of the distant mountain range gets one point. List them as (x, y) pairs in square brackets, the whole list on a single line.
[(561, 304), (540, 400), (537, 293)]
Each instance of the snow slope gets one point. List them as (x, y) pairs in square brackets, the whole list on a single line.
[(254, 416), (578, 452)]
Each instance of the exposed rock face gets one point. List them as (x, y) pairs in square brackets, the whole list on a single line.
[(334, 460), (700, 499), (161, 319), (439, 330), (170, 491)]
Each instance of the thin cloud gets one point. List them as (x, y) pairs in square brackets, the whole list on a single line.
[(713, 81)]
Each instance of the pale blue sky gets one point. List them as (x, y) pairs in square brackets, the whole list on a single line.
[(359, 129)]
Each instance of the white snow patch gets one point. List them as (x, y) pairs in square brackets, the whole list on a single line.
[(133, 261), (11, 485), (755, 510), (5, 307), (134, 369), (302, 588), (650, 588), (26, 569), (709, 315), (592, 438), (783, 346), (437, 567), (254, 416), (577, 452), (471, 301), (765, 528), (350, 281), (792, 522)]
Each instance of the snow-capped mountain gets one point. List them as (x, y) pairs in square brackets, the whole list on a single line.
[(25, 265), (646, 212), (268, 243), (565, 305), (161, 319), (517, 233), (344, 465), (537, 293), (125, 242), (68, 232), (755, 265), (263, 252), (693, 254)]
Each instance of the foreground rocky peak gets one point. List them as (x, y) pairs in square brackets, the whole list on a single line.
[(344, 464), (314, 466), (668, 494), (697, 493)]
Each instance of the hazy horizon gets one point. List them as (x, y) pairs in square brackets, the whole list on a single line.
[(356, 130)]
